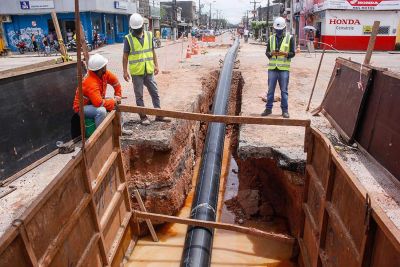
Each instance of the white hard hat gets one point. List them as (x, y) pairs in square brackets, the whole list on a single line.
[(97, 62), (136, 21), (279, 23)]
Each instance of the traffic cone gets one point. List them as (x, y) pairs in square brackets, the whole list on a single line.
[(298, 49), (196, 49), (188, 52)]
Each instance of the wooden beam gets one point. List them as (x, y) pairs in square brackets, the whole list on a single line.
[(371, 43), (214, 118), (63, 50), (217, 225), (92, 243), (148, 222)]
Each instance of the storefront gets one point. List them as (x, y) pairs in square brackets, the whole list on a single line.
[(110, 21), (347, 25)]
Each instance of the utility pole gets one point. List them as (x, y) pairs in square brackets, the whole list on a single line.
[(267, 33), (254, 9), (210, 19), (199, 13), (174, 20)]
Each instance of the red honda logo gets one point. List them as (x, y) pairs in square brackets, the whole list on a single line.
[(364, 2)]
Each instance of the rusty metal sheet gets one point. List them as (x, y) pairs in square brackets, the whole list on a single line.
[(379, 131), (345, 99)]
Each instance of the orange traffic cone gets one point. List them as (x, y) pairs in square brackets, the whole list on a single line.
[(195, 49), (188, 52)]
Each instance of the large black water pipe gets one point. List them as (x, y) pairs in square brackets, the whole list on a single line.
[(198, 243)]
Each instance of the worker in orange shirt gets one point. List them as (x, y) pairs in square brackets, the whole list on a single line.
[(94, 88)]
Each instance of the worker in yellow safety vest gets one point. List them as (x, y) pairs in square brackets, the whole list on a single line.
[(141, 57), (280, 50)]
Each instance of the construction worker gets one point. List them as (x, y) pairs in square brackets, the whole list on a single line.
[(94, 88), (139, 52), (280, 50)]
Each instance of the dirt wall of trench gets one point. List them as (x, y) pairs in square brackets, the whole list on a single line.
[(164, 177)]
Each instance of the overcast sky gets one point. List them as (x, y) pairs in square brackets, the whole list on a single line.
[(232, 10)]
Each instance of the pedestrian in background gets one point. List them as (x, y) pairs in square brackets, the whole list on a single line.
[(139, 52), (34, 43), (280, 50)]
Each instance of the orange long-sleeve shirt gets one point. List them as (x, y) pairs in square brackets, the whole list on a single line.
[(94, 91)]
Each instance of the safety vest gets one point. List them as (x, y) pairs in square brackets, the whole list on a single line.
[(280, 62), (140, 57)]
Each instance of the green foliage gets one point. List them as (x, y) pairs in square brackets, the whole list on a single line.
[(397, 47), (257, 25)]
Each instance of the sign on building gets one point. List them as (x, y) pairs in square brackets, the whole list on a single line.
[(121, 5), (36, 4), (357, 4)]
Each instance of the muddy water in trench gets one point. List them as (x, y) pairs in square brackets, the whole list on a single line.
[(229, 249)]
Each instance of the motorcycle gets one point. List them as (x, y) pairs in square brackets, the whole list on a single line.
[(22, 47), (71, 46)]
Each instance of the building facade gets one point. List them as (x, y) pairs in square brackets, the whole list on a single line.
[(347, 24), (109, 18)]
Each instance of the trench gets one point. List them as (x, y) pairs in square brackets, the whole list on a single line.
[(257, 193)]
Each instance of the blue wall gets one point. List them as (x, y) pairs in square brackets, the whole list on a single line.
[(21, 27)]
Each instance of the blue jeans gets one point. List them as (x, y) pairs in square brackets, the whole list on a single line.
[(281, 76), (98, 114)]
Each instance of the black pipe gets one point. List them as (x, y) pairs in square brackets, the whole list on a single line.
[(198, 243)]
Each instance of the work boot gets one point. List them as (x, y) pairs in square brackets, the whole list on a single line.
[(285, 115), (266, 112), (162, 119)]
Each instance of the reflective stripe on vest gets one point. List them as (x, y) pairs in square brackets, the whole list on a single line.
[(280, 62), (141, 56)]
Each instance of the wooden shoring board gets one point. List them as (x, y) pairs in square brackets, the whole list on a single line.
[(217, 225), (378, 219), (92, 249), (214, 118)]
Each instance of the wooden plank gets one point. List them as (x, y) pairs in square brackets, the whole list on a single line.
[(99, 131), (371, 43), (26, 241), (365, 70), (119, 236), (92, 244), (340, 228), (314, 178), (214, 118), (304, 253), (311, 219), (148, 222), (111, 209), (62, 235), (104, 170), (217, 225)]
